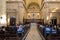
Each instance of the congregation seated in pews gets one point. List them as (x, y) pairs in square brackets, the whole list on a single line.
[(50, 32), (15, 32)]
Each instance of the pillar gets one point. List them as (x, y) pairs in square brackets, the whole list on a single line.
[(3, 12), (21, 11)]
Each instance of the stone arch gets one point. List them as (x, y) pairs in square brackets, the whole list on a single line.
[(33, 4)]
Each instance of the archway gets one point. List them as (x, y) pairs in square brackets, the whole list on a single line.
[(33, 12), (33, 4), (12, 21)]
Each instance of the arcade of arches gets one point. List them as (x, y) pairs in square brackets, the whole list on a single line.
[(29, 11)]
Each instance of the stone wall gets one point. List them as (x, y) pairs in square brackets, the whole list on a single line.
[(16, 8), (48, 8)]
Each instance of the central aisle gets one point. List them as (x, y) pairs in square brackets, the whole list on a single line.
[(33, 33)]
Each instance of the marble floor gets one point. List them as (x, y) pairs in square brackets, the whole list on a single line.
[(33, 33)]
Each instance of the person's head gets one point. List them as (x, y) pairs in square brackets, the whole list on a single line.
[(47, 25), (3, 26)]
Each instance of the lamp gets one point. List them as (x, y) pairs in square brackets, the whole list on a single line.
[(47, 18)]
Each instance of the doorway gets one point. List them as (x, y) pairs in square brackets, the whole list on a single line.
[(12, 21), (54, 21)]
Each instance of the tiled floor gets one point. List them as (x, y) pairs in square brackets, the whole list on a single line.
[(33, 34)]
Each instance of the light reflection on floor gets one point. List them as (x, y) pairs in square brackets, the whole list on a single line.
[(33, 34)]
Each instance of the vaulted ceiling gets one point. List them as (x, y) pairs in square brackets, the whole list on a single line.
[(33, 2), (33, 5), (30, 2)]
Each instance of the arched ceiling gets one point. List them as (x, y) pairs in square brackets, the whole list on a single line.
[(33, 7), (28, 2), (31, 1), (34, 4)]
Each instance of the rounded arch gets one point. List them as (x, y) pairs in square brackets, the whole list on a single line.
[(33, 3)]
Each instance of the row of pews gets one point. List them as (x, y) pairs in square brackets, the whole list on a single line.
[(52, 32), (11, 34)]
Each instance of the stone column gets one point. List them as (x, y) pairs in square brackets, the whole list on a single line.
[(3, 12), (21, 11)]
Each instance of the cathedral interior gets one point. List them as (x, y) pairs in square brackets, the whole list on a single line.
[(38, 19)]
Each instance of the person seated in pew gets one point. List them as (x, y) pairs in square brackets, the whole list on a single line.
[(2, 31), (47, 30), (54, 26), (15, 27), (54, 31), (42, 26), (3, 28), (7, 28), (27, 25), (20, 30)]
